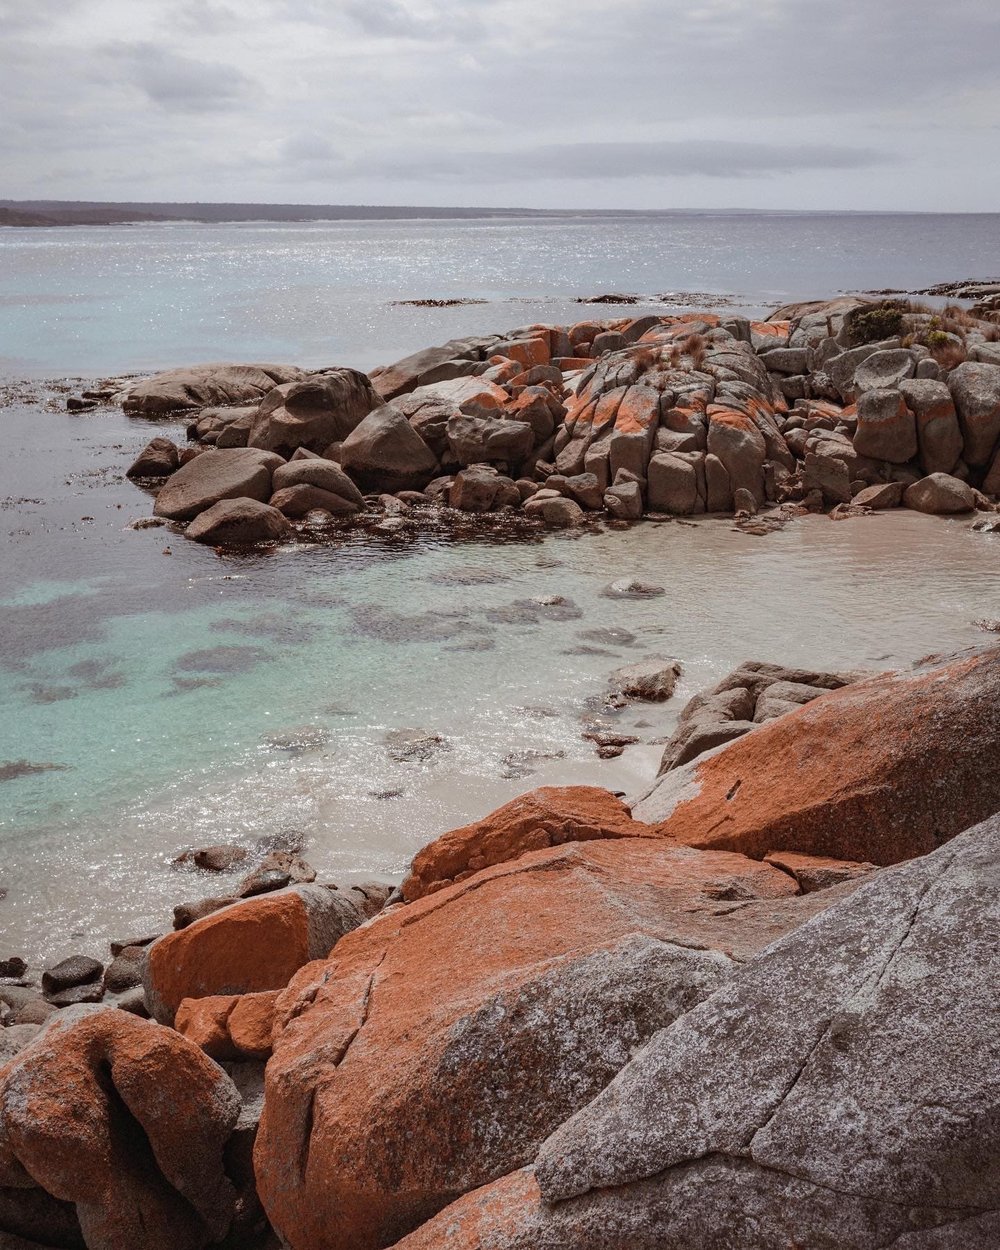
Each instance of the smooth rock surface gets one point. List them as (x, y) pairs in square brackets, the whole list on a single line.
[(252, 945), (235, 473), (201, 386), (236, 522)]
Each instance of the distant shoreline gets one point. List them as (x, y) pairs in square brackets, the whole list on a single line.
[(51, 213)]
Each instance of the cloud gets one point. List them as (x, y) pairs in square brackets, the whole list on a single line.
[(640, 103), (680, 158), (418, 20), (179, 83)]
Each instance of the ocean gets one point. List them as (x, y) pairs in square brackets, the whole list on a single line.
[(179, 698), (112, 299)]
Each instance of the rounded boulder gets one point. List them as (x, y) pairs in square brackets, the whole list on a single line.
[(234, 473), (238, 522)]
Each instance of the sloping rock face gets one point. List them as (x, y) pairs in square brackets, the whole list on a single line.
[(548, 816), (202, 386), (839, 1092), (441, 1043), (322, 409), (253, 945), (432, 364), (236, 473), (123, 1119), (881, 770)]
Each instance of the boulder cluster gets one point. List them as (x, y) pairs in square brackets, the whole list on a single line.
[(852, 405), (755, 1007)]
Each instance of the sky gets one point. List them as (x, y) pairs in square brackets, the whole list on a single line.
[(642, 104)]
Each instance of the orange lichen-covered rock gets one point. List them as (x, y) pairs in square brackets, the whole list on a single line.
[(127, 1120), (879, 771), (256, 944), (527, 352), (440, 1044), (839, 1090), (734, 438), (544, 817), (235, 1026)]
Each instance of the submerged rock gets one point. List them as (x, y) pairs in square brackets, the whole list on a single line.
[(409, 745), (632, 588)]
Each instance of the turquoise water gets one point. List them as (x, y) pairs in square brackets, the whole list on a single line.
[(153, 681), (102, 300)]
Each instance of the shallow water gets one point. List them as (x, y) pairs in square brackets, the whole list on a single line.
[(153, 680), (107, 299)]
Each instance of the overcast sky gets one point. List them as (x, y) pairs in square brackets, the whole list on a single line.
[(883, 104)]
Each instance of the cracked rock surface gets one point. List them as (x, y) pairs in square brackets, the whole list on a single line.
[(439, 1045), (839, 1091)]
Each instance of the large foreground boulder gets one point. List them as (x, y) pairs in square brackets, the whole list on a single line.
[(840, 1092), (444, 1041), (203, 386), (313, 413), (235, 473), (123, 1119), (878, 771), (253, 945)]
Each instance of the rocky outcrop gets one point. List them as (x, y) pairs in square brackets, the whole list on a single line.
[(880, 771), (203, 386), (252, 945), (313, 413), (236, 473), (443, 1042), (672, 415), (840, 1090), (115, 1129)]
